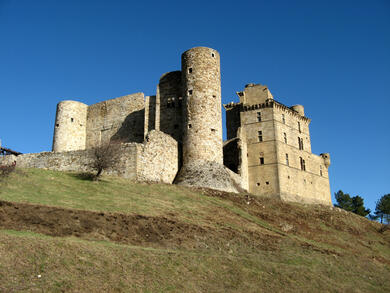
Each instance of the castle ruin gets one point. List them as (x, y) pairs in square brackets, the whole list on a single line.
[(176, 137)]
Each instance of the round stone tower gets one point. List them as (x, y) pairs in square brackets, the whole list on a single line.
[(70, 126), (202, 129), (201, 82)]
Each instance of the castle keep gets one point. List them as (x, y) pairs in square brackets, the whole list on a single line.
[(176, 137)]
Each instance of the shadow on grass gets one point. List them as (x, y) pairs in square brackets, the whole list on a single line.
[(84, 176)]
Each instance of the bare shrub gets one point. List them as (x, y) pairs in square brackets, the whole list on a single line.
[(105, 157), (6, 170)]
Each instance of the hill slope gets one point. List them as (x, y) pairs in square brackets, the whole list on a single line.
[(115, 235)]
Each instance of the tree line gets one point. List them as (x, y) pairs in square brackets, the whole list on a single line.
[(355, 204)]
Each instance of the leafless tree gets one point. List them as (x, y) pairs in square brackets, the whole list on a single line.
[(6, 170), (105, 157)]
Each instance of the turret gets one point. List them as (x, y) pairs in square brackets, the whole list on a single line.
[(70, 126), (326, 157), (299, 108), (201, 81)]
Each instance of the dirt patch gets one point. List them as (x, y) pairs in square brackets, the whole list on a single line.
[(123, 228)]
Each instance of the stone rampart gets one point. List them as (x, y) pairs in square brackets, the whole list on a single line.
[(154, 160)]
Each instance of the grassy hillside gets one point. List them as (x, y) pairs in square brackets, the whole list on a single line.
[(60, 232)]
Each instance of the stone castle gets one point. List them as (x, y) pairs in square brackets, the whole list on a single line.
[(176, 137)]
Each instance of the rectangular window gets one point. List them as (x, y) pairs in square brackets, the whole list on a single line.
[(299, 127), (287, 163), (285, 137), (300, 143), (261, 160), (283, 119), (258, 116), (320, 170), (260, 134), (303, 167)]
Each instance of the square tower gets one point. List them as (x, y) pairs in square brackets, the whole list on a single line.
[(279, 159)]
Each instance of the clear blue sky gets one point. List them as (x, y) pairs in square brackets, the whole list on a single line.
[(331, 56)]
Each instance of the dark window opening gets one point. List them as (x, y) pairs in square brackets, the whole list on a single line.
[(261, 160), (300, 143), (212, 55), (214, 96), (320, 170), (71, 119), (260, 135), (285, 137), (258, 183), (213, 130), (190, 70), (299, 127), (189, 125), (288, 177), (190, 92), (267, 183), (283, 119), (57, 125), (303, 167), (258, 116), (287, 163)]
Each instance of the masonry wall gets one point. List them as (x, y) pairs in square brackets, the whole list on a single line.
[(77, 161), (169, 94), (262, 177), (117, 119), (150, 114), (157, 158), (233, 121)]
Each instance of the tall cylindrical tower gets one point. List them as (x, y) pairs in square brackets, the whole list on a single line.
[(201, 82), (70, 126)]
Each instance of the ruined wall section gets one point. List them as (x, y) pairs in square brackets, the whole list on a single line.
[(70, 126), (233, 122), (157, 159), (169, 95), (150, 114), (77, 161), (117, 119)]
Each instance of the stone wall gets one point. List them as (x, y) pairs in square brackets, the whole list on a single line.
[(150, 114), (117, 119), (169, 95), (77, 161), (157, 158)]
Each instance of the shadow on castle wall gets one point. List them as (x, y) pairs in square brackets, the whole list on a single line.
[(132, 129)]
